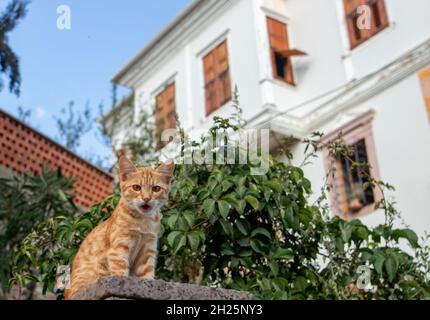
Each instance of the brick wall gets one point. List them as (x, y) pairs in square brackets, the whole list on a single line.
[(23, 149)]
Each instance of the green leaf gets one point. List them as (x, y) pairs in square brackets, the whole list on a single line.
[(274, 185), (407, 234), (245, 253), (257, 246), (226, 185), (244, 242), (171, 221), (190, 218), (226, 249), (171, 238), (261, 231), (283, 253), (252, 201), (391, 266), (288, 217), (209, 207), (182, 242), (194, 240), (227, 227), (242, 227), (346, 232), (240, 206), (84, 223), (274, 267), (360, 232), (300, 283), (339, 244), (224, 208), (378, 262)]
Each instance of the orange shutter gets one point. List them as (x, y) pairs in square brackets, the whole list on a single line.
[(424, 76), (165, 111), (224, 85), (210, 79), (217, 78), (171, 107), (378, 10), (278, 39), (382, 12), (278, 35)]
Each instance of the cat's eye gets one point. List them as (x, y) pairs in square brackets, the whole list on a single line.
[(136, 187), (156, 189)]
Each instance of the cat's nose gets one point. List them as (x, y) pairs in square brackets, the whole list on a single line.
[(146, 199)]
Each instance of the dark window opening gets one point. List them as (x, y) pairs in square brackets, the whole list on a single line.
[(356, 178), (281, 63)]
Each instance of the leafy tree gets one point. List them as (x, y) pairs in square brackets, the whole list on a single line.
[(24, 114), (74, 125), (9, 63), (25, 201), (228, 228)]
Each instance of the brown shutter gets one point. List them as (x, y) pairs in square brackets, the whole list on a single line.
[(277, 34), (165, 111), (424, 76), (278, 39), (222, 68), (171, 107), (210, 82), (357, 36), (382, 13), (217, 78)]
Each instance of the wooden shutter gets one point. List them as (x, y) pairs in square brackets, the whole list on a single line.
[(278, 39), (382, 12), (211, 97), (217, 78), (165, 117), (357, 36), (424, 76), (222, 68)]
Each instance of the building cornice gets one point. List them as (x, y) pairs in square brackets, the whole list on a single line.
[(354, 93), (164, 45)]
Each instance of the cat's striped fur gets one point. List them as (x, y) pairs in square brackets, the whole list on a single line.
[(126, 243)]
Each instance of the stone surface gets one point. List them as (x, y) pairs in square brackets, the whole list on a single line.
[(110, 288)]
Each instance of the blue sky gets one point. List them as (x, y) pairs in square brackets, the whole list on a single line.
[(58, 66)]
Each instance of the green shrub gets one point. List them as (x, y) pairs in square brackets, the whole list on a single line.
[(228, 228)]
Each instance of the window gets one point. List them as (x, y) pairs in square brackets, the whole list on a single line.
[(355, 194), (279, 51), (424, 76), (350, 194), (217, 78), (165, 114), (379, 20)]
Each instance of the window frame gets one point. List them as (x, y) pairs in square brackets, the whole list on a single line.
[(353, 131), (350, 16)]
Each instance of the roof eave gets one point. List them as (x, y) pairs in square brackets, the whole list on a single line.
[(118, 78)]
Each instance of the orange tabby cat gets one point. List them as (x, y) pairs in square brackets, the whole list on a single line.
[(126, 243)]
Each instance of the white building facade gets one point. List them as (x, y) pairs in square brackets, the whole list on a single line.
[(303, 66)]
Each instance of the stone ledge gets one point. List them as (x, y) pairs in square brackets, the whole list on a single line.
[(112, 288)]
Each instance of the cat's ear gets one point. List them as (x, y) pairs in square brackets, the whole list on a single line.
[(126, 167), (166, 169)]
